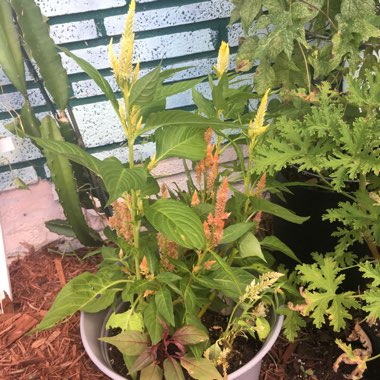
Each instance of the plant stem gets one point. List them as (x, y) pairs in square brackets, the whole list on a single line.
[(306, 67)]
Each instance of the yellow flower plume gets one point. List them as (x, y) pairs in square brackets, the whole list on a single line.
[(257, 127), (223, 59)]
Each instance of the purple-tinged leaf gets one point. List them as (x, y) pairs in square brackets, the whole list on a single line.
[(152, 372), (200, 369), (172, 369), (148, 356), (189, 335), (128, 342)]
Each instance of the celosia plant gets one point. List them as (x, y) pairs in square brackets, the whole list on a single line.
[(178, 253)]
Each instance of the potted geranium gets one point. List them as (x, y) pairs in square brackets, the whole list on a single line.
[(177, 257)]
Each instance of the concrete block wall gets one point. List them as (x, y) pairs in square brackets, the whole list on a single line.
[(178, 32)]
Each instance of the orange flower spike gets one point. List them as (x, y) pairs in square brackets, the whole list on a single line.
[(208, 264), (213, 173), (206, 229), (261, 185), (209, 160), (221, 200), (208, 136), (257, 217), (144, 267), (194, 199), (164, 191)]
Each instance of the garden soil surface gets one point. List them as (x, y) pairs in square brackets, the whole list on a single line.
[(59, 354)]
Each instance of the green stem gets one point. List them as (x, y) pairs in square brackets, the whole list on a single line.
[(306, 67)]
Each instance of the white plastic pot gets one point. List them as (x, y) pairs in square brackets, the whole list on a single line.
[(91, 326)]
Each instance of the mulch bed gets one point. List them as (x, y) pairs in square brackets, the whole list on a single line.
[(59, 354)]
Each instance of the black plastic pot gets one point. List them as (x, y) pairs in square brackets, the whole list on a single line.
[(314, 235)]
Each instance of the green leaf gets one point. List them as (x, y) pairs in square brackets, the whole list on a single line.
[(142, 92), (178, 222), (200, 369), (261, 204), (172, 370), (274, 243), (145, 359), (177, 88), (66, 186), (35, 32), (178, 117), (167, 277), (250, 246), (152, 372), (236, 231), (204, 105), (129, 320), (180, 141), (128, 342), (11, 59), (371, 271), (60, 227), (248, 12), (152, 323), (189, 335), (88, 292), (94, 74), (164, 305), (262, 328), (116, 177)]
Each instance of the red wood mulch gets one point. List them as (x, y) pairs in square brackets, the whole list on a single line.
[(59, 354), (54, 354)]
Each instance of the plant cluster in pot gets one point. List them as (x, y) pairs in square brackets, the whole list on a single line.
[(179, 258)]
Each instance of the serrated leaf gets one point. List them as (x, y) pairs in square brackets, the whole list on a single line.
[(35, 32), (249, 246), (172, 369), (178, 222), (371, 271), (235, 231), (200, 369), (180, 141), (189, 335), (129, 342), (164, 305), (11, 59)]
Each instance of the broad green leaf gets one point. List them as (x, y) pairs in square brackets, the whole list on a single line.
[(189, 335), (236, 231), (152, 372), (177, 222), (35, 32), (116, 177), (66, 186), (88, 292), (178, 117), (249, 246), (180, 141), (262, 328), (129, 320), (11, 59), (152, 322), (128, 342), (164, 305), (167, 277), (261, 204), (176, 88), (204, 105), (98, 78), (60, 227), (200, 369), (274, 243), (172, 369), (142, 92)]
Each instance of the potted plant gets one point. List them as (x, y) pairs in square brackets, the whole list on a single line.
[(177, 256)]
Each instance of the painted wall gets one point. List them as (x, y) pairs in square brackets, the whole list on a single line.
[(178, 32)]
